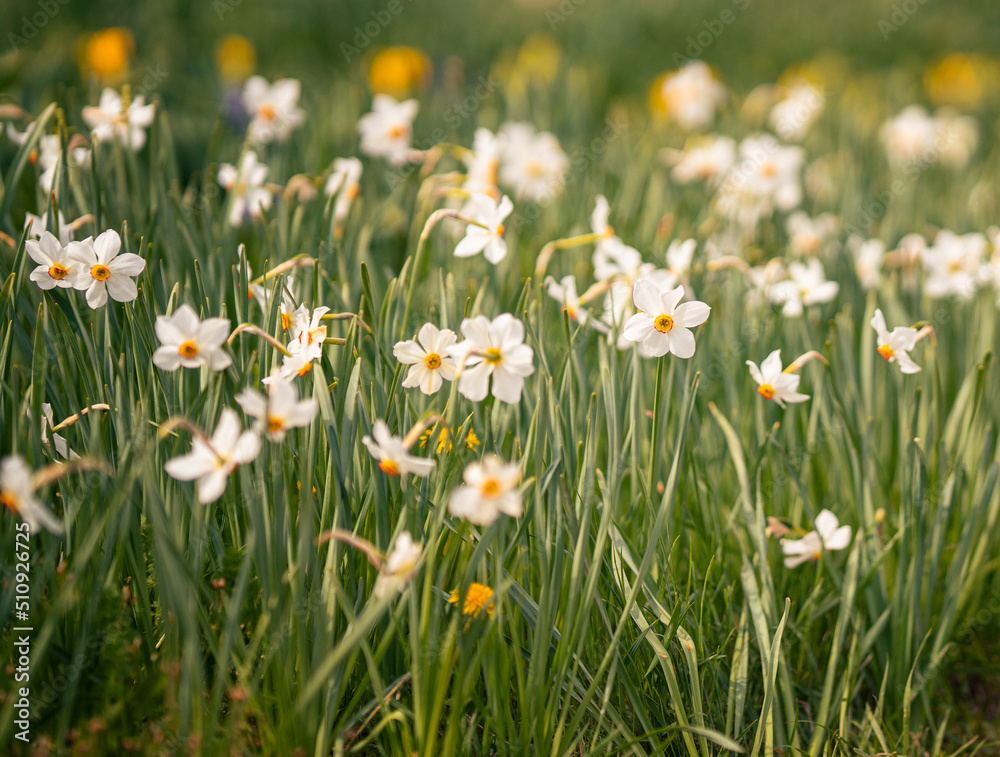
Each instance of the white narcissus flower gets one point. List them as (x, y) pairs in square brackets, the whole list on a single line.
[(247, 194), (490, 490), (662, 325), (279, 411), (428, 357), (806, 235), (112, 120), (806, 285), (773, 384), (387, 130), (273, 108), (829, 535), (344, 184), (55, 266), (307, 331), (186, 341), (17, 494), (691, 94), (297, 364), (488, 238), (493, 348), (393, 457), (39, 224), (895, 345), (211, 464), (398, 565), (101, 271), (564, 291)]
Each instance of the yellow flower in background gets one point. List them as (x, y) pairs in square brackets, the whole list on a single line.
[(477, 597), (235, 57), (397, 71), (960, 79), (657, 103), (539, 57), (106, 54)]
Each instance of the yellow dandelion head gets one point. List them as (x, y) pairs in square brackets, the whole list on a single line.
[(235, 57), (479, 596), (398, 71), (106, 54), (472, 441), (539, 57)]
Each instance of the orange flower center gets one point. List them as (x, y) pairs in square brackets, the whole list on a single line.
[(58, 271), (766, 391), (100, 272), (491, 487), (274, 424), (9, 501), (493, 356), (769, 169), (188, 350), (267, 112), (389, 468), (432, 360), (286, 321), (500, 230), (886, 351), (305, 369), (398, 131), (663, 323)]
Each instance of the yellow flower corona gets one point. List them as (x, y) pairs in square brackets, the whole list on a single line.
[(477, 598)]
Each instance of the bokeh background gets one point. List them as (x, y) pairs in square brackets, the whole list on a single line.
[(188, 52)]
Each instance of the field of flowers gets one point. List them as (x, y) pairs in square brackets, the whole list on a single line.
[(498, 405)]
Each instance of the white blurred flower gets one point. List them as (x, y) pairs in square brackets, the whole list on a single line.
[(793, 116), (691, 94), (279, 411), (483, 165), (953, 265), (398, 565), (662, 325), (532, 164), (706, 159), (273, 108), (39, 225), (492, 348), (47, 155), (957, 137), (111, 120), (490, 490), (488, 238), (909, 137), (17, 494), (344, 184), (428, 358), (765, 177), (101, 271), (806, 285), (187, 341), (55, 266), (829, 534), (773, 383), (386, 131), (895, 346), (248, 196), (393, 457), (868, 255), (807, 235), (211, 464)]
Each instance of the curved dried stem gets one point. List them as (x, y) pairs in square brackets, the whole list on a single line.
[(299, 261), (54, 472), (372, 552), (414, 434), (250, 328), (545, 256), (76, 416), (801, 360)]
